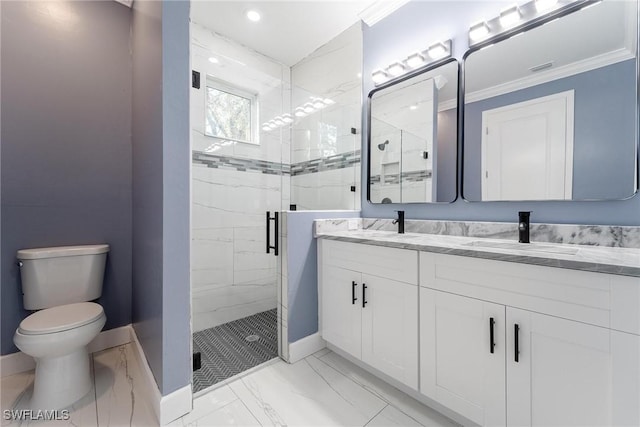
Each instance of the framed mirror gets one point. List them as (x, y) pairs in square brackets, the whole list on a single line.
[(552, 112), (413, 134)]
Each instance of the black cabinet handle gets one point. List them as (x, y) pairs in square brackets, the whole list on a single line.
[(516, 330), (276, 221), (492, 343), (364, 298), (353, 292)]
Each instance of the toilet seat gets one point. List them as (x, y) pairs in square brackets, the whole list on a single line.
[(61, 318)]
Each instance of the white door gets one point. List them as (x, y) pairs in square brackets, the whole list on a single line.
[(570, 373), (390, 328), (527, 150), (457, 365), (340, 309)]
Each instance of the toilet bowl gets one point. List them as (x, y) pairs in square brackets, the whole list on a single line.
[(57, 339)]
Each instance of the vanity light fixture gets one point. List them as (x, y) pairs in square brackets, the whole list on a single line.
[(510, 16), (328, 101), (266, 127), (318, 103), (479, 31), (379, 76), (287, 118), (434, 52), (542, 5), (308, 108), (299, 112), (415, 60), (395, 69), (438, 50), (516, 16), (278, 121)]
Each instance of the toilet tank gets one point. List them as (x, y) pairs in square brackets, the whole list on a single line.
[(61, 275)]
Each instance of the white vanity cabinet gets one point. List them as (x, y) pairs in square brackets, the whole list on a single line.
[(369, 305), (572, 366)]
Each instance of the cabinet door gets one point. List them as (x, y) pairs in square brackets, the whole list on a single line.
[(390, 328), (341, 321), (457, 365), (570, 373)]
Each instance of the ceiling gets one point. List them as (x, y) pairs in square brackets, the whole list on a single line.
[(288, 31)]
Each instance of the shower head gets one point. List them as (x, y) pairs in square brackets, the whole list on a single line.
[(381, 147)]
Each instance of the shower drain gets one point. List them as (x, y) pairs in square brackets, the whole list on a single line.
[(252, 338)]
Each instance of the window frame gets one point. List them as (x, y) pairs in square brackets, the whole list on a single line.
[(229, 88)]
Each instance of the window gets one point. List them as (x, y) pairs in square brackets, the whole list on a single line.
[(230, 113)]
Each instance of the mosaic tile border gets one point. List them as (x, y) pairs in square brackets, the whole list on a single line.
[(413, 176), (239, 164), (337, 161)]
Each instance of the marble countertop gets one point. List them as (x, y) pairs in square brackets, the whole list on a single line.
[(622, 261)]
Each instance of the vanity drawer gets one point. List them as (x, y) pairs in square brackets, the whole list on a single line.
[(599, 299), (390, 263)]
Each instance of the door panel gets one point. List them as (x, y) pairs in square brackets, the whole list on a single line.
[(565, 374), (527, 150), (340, 315), (458, 368), (390, 328)]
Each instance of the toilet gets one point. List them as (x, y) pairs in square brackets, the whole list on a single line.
[(59, 282)]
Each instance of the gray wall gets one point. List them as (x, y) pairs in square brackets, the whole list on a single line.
[(66, 143), (161, 162), (411, 28), (604, 131), (302, 255)]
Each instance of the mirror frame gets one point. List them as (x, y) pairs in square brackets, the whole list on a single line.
[(519, 29), (390, 83)]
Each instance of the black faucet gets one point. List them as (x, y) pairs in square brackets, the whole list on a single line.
[(523, 226), (400, 222)]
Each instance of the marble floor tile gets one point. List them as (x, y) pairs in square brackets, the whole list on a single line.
[(390, 416), (305, 393), (232, 414), (206, 404), (119, 389), (406, 404)]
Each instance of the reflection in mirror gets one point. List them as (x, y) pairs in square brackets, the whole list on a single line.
[(413, 138), (551, 114)]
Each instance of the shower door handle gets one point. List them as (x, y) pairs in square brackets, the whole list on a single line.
[(276, 221)]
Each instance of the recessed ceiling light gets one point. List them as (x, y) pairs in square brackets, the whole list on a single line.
[(214, 60), (253, 15), (413, 107)]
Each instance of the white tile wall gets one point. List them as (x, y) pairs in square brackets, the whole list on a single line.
[(232, 276)]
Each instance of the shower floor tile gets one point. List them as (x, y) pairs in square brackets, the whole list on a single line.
[(226, 352)]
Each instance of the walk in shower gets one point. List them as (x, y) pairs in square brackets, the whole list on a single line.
[(257, 153)]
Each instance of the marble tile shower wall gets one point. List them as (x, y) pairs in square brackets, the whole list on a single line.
[(325, 154), (233, 184)]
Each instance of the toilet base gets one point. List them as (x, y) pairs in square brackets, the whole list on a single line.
[(61, 381)]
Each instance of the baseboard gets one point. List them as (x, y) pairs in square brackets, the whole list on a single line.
[(167, 408), (18, 362), (305, 347)]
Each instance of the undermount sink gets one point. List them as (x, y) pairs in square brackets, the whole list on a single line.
[(532, 247)]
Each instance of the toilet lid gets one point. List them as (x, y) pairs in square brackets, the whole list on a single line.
[(61, 318)]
